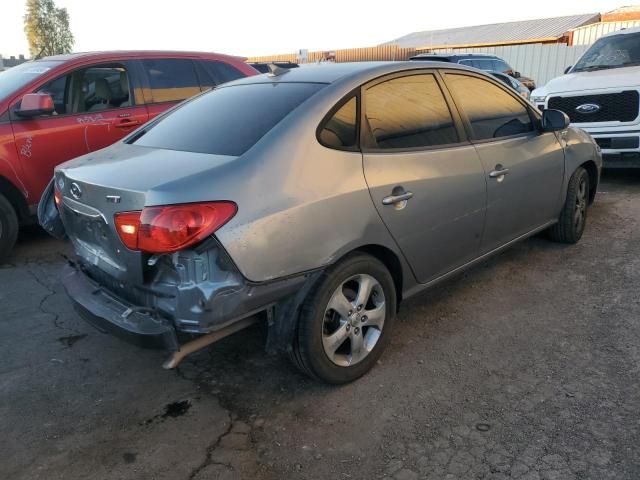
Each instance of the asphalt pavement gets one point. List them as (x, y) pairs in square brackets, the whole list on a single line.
[(525, 367)]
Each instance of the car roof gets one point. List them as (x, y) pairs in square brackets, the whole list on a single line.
[(135, 54), (332, 72)]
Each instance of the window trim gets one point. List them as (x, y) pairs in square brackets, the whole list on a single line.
[(355, 93), (127, 65), (535, 120), (455, 116)]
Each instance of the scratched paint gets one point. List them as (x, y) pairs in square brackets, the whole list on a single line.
[(90, 119), (25, 150)]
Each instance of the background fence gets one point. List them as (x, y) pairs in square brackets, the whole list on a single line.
[(590, 33), (537, 61), (383, 52)]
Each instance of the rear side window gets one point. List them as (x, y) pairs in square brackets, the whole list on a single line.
[(501, 66), (227, 120), (492, 112), (409, 112), (340, 131), (221, 72), (171, 79)]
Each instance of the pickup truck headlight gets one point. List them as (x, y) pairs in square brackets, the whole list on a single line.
[(538, 99)]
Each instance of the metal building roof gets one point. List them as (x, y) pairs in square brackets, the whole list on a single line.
[(527, 31)]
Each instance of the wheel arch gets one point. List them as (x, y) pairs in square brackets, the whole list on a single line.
[(592, 170), (15, 198), (390, 260)]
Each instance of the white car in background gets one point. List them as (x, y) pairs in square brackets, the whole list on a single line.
[(601, 94)]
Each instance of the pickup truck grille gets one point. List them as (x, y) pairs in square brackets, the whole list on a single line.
[(614, 107)]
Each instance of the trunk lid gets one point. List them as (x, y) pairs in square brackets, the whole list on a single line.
[(118, 179)]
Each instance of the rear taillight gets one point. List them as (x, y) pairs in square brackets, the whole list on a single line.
[(170, 228)]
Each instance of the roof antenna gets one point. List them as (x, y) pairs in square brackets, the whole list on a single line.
[(275, 70)]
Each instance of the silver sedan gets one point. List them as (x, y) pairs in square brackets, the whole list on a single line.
[(317, 199)]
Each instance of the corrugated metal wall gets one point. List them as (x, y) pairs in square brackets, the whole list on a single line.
[(590, 33), (537, 61)]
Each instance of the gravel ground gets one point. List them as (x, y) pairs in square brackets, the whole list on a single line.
[(525, 367)]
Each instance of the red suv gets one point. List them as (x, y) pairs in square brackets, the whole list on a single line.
[(60, 107)]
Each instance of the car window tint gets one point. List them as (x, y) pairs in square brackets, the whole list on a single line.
[(492, 112), (501, 66), (221, 72), (171, 79), (227, 120), (409, 112), (58, 90), (340, 130)]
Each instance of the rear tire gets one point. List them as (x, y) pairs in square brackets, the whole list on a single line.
[(346, 320), (8, 228), (573, 217)]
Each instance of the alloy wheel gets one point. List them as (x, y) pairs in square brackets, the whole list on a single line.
[(581, 206), (353, 320)]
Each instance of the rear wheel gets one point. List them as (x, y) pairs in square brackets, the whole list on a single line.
[(346, 322), (573, 217), (8, 228)]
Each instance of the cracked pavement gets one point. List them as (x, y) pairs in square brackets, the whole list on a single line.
[(526, 367)]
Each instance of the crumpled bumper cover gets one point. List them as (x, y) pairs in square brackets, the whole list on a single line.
[(109, 314)]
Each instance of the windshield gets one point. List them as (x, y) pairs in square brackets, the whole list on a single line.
[(611, 52), (227, 120), (17, 77)]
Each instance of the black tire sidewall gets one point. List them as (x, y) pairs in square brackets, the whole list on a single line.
[(312, 317), (9, 228)]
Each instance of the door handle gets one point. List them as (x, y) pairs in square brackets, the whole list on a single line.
[(127, 123), (499, 171), (393, 199)]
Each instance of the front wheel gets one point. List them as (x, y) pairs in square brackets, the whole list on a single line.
[(573, 217), (346, 322), (8, 228)]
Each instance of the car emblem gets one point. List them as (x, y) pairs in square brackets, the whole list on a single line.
[(75, 190), (588, 108)]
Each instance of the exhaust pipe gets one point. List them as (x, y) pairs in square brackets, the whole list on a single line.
[(199, 343)]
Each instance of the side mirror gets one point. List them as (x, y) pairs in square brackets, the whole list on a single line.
[(566, 70), (554, 120), (517, 75), (35, 104)]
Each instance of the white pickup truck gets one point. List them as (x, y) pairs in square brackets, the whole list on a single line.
[(601, 95)]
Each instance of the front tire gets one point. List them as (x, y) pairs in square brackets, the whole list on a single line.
[(346, 321), (573, 217), (8, 228)]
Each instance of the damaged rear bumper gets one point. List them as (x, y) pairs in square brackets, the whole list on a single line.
[(112, 315)]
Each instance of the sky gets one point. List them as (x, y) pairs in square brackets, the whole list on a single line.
[(252, 28)]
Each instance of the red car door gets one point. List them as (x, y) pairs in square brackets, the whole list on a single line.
[(110, 109), (94, 107), (46, 141)]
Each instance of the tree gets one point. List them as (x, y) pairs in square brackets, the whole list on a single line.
[(47, 29)]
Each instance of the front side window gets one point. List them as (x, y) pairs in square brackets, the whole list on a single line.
[(226, 120), (340, 131), (92, 89), (57, 89), (492, 112), (408, 112), (611, 52), (171, 79)]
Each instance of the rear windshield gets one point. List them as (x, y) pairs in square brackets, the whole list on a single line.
[(15, 78), (227, 120)]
